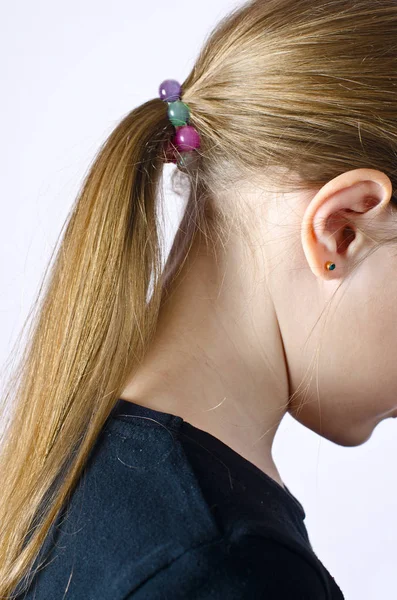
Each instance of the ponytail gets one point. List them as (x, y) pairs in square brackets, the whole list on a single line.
[(94, 325)]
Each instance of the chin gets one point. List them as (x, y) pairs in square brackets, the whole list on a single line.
[(349, 437)]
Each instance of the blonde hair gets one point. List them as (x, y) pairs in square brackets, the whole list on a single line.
[(292, 84)]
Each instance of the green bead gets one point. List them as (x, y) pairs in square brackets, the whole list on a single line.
[(178, 113)]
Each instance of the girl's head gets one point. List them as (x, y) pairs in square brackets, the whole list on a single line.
[(295, 103), (337, 326)]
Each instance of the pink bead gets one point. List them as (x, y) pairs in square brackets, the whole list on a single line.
[(187, 138)]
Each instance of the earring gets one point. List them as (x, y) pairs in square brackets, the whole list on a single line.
[(330, 265)]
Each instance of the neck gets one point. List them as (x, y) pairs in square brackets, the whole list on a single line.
[(217, 358)]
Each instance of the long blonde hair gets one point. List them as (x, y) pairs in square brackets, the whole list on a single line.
[(307, 86)]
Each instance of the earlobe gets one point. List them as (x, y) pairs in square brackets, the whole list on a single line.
[(331, 224)]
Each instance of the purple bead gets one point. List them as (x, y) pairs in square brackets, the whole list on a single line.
[(170, 90), (187, 138)]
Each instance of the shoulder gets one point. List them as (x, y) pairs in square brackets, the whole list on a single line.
[(255, 567)]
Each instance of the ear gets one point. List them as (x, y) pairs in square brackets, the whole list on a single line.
[(330, 229)]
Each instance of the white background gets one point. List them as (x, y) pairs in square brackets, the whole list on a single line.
[(69, 72)]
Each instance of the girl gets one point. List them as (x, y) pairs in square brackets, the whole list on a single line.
[(136, 462)]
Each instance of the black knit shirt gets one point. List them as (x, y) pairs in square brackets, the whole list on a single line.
[(166, 511)]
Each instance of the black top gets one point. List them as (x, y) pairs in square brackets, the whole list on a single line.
[(166, 511)]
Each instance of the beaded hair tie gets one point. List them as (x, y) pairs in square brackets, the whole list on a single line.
[(186, 138)]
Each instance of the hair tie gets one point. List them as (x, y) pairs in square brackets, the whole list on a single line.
[(186, 138)]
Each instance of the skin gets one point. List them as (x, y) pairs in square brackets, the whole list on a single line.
[(234, 342)]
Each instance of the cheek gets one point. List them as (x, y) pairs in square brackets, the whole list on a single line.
[(353, 382), (354, 377), (349, 394)]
